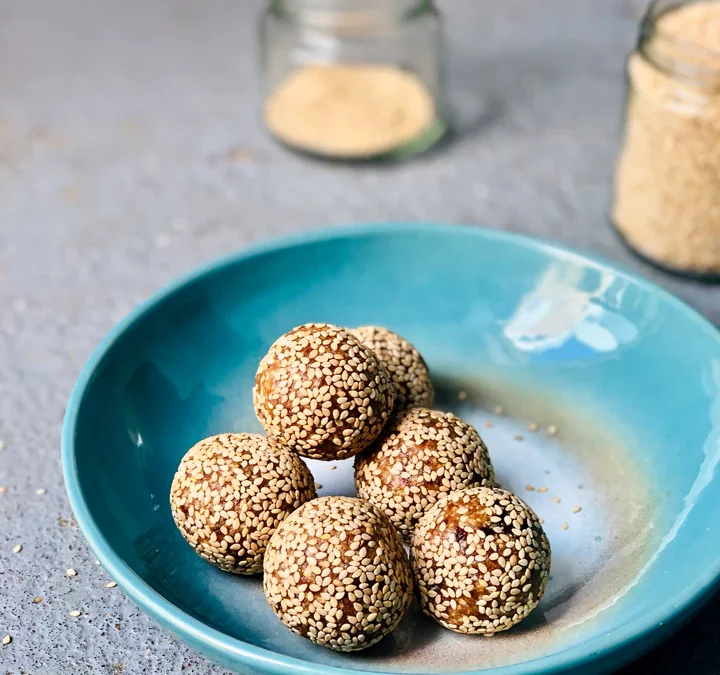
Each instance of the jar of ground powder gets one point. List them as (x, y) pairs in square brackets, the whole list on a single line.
[(667, 184), (353, 79)]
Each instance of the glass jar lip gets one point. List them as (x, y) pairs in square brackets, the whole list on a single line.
[(673, 55), (327, 11)]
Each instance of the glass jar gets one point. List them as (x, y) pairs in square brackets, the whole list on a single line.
[(667, 182), (353, 79)]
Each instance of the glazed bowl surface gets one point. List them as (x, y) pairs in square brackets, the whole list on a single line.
[(597, 393)]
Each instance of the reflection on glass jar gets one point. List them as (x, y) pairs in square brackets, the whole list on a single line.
[(667, 183), (353, 79)]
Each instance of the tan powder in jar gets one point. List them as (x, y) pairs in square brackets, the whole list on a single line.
[(667, 185), (350, 111)]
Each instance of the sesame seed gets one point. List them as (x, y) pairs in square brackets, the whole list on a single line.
[(488, 530), (564, 526), (318, 486), (332, 467), (2, 445), (530, 488), (112, 584), (75, 613), (369, 580), (462, 395), (407, 368), (3, 489), (40, 491), (323, 393), (229, 520), (17, 548), (499, 410), (488, 424), (519, 438), (71, 572), (532, 426), (556, 500), (97, 562), (37, 600), (577, 509), (552, 429), (544, 488), (421, 455), (7, 640)]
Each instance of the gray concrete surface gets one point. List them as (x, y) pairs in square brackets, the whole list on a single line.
[(130, 151)]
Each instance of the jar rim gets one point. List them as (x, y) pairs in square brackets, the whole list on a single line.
[(675, 56), (314, 11)]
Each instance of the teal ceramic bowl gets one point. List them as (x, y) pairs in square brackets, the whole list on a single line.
[(597, 393)]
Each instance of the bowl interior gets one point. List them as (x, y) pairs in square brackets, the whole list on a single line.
[(628, 376)]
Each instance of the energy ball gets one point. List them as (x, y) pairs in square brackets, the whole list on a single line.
[(420, 455), (336, 573), (481, 560), (322, 393), (407, 368), (231, 491)]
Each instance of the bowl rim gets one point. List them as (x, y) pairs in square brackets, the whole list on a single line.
[(235, 650)]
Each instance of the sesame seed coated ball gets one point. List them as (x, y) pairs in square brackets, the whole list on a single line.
[(481, 560), (407, 368), (336, 573), (420, 456), (322, 393), (231, 491)]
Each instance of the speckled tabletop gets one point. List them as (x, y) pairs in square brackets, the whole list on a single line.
[(130, 151)]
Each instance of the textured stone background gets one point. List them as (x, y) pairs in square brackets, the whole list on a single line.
[(130, 151)]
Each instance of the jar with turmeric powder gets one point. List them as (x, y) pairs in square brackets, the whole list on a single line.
[(667, 183), (353, 79)]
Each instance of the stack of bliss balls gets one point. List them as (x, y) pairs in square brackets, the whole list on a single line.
[(336, 569)]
